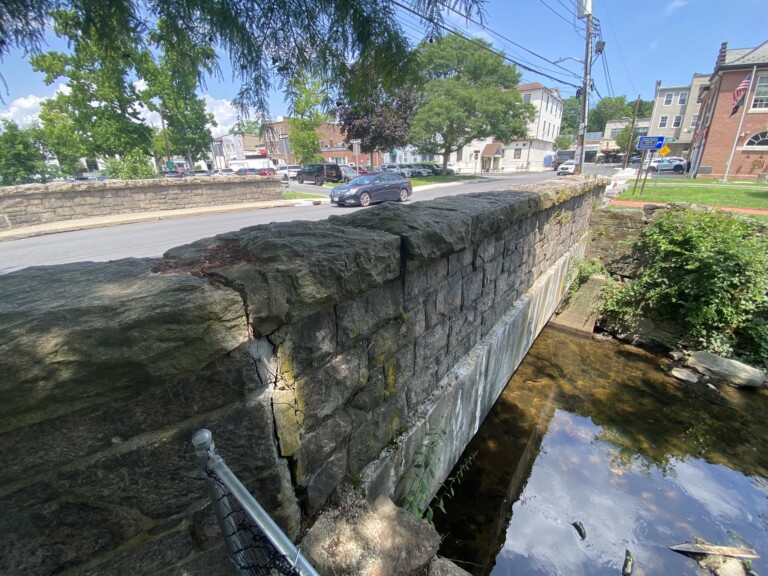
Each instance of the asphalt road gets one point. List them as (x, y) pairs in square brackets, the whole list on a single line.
[(152, 239)]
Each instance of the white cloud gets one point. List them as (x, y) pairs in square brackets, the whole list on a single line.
[(673, 6), (25, 110), (223, 112)]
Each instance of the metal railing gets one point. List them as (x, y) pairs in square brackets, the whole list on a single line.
[(255, 543)]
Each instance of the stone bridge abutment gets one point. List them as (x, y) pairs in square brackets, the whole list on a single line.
[(316, 353)]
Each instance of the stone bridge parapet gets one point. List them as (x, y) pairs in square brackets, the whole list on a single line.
[(34, 204), (317, 353)]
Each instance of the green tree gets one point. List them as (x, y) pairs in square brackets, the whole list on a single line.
[(102, 103), (469, 93), (135, 166), (623, 140), (569, 125), (247, 126), (62, 136), (268, 43), (172, 79), (608, 109), (21, 158), (307, 96), (564, 142)]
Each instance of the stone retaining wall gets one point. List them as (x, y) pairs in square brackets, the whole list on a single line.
[(612, 235), (317, 353), (33, 204)]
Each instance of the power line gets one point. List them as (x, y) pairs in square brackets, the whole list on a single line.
[(618, 46), (504, 38), (479, 45), (556, 13)]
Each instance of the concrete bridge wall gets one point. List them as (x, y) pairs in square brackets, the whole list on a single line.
[(34, 204), (317, 352)]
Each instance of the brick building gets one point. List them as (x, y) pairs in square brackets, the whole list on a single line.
[(332, 146), (730, 143)]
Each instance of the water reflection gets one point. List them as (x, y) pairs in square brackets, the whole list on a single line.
[(595, 432)]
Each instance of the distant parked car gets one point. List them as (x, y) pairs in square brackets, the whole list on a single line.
[(320, 173), (674, 164), (348, 173), (223, 172), (414, 171), (372, 188), (202, 173), (567, 167), (256, 172), (174, 174)]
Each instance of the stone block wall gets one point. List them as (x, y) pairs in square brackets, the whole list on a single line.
[(33, 204), (316, 352), (612, 235)]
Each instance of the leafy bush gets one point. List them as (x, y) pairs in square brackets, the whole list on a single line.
[(706, 272), (133, 166)]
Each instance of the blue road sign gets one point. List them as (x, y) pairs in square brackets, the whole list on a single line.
[(650, 142)]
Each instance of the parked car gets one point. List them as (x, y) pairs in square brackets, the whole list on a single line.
[(348, 173), (567, 167), (256, 172), (434, 169), (320, 173), (372, 188), (414, 171), (174, 174), (223, 172), (667, 164), (202, 173)]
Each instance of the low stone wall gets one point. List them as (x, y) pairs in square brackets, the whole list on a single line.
[(33, 204), (318, 353)]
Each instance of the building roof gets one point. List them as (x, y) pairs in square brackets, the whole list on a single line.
[(530, 86), (746, 56), (493, 149)]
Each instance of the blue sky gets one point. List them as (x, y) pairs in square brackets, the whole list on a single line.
[(645, 42)]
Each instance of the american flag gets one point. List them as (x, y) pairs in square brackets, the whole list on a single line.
[(738, 94)]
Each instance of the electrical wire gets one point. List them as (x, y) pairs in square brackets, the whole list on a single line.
[(618, 45), (504, 39), (576, 27), (479, 45)]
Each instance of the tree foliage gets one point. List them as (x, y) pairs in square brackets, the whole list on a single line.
[(135, 166), (22, 158), (705, 272), (267, 42), (569, 125), (564, 142), (383, 120), (624, 140), (469, 93), (308, 96), (614, 109)]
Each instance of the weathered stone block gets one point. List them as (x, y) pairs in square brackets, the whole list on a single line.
[(76, 335), (358, 318)]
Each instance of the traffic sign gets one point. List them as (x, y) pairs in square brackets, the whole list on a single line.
[(664, 150), (650, 142), (170, 165)]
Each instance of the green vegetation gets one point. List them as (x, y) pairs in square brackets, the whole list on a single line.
[(468, 93), (293, 195), (706, 273), (705, 194), (22, 155), (134, 166), (578, 273)]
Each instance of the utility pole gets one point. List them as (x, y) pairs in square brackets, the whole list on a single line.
[(585, 91), (632, 132)]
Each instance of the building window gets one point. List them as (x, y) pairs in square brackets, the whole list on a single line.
[(759, 139), (526, 97), (668, 98), (677, 121), (694, 120), (682, 98), (761, 93), (615, 132), (517, 153), (663, 121), (459, 154)]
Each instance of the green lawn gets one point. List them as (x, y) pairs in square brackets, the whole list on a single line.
[(707, 194)]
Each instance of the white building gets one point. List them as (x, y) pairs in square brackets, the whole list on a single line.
[(531, 153)]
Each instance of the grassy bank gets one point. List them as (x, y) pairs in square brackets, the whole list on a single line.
[(707, 194)]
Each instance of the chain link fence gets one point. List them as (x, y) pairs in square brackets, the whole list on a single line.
[(255, 543)]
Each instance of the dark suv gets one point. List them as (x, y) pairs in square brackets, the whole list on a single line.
[(320, 173)]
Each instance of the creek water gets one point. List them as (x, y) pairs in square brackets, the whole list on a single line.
[(595, 432)]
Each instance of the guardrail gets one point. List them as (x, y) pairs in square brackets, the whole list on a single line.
[(255, 543)]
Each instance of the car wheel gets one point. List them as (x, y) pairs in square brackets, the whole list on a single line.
[(346, 179), (365, 199), (677, 169), (300, 179), (318, 181), (403, 195)]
